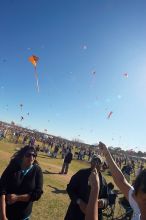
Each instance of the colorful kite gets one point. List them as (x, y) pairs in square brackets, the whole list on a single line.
[(109, 115), (33, 59)]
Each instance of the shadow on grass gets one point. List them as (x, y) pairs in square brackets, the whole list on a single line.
[(49, 172), (46, 156), (43, 156), (57, 191)]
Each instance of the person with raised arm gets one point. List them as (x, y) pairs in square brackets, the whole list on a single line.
[(136, 194)]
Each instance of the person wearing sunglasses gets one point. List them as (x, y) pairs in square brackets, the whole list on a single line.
[(20, 185)]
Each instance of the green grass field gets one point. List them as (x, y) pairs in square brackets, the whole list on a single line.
[(54, 202)]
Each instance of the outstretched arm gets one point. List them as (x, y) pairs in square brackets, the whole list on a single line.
[(118, 177), (92, 207), (2, 207)]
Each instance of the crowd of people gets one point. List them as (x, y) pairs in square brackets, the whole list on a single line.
[(21, 183), (87, 204)]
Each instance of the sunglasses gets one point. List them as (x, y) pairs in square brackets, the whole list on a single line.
[(30, 154)]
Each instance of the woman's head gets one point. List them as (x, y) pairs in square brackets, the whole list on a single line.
[(26, 155), (140, 186)]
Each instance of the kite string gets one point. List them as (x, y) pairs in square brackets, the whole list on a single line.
[(37, 80)]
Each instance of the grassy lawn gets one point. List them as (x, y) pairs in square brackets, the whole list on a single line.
[(54, 202)]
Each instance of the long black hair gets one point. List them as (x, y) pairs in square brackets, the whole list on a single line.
[(140, 182), (19, 155)]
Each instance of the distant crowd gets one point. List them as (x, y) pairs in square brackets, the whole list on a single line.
[(92, 198)]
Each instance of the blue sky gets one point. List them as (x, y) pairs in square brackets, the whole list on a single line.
[(85, 47)]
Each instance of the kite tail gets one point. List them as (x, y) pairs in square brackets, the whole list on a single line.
[(37, 80)]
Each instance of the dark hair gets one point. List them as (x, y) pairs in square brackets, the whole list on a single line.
[(110, 185), (96, 159), (140, 182), (18, 156)]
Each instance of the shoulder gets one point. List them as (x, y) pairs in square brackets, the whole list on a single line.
[(132, 201), (86, 170), (37, 168), (103, 179), (82, 172), (13, 165)]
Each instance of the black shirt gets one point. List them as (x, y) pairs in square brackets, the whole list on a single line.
[(79, 188), (68, 158), (13, 181)]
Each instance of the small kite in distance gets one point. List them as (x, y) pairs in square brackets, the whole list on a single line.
[(109, 115), (94, 72), (21, 106), (22, 118), (125, 75)]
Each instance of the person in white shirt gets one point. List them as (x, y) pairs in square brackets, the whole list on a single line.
[(136, 194)]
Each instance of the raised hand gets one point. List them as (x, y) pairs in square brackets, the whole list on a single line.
[(103, 149), (94, 180), (11, 198)]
